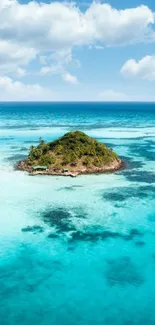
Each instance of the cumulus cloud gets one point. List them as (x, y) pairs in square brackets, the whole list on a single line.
[(115, 27), (20, 72), (6, 3), (142, 69), (113, 96), (14, 55), (61, 25), (97, 47), (52, 69), (53, 29), (70, 78), (56, 62), (16, 91)]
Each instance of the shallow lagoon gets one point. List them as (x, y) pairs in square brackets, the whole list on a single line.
[(78, 250)]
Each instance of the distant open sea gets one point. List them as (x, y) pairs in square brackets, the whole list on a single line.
[(78, 251)]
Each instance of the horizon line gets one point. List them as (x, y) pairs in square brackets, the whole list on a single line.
[(69, 101)]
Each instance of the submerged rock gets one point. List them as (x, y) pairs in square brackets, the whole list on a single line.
[(62, 219), (122, 194), (53, 235), (35, 229), (139, 243), (123, 271), (140, 176)]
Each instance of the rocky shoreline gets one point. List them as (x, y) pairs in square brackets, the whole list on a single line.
[(84, 171)]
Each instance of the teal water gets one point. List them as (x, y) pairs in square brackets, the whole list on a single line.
[(78, 251)]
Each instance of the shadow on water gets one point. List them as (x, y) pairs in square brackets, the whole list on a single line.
[(34, 229), (19, 149), (122, 194), (151, 217), (23, 149), (140, 243), (123, 271), (16, 157), (31, 142), (133, 173), (64, 224), (140, 176), (145, 150), (66, 188), (130, 164), (63, 219), (94, 235), (14, 147), (6, 138), (29, 269), (69, 188)]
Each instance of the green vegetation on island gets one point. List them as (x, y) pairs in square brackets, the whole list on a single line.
[(74, 151)]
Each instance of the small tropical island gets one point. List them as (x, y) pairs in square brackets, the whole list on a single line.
[(73, 154)]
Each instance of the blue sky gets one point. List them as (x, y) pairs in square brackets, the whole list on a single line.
[(55, 50)]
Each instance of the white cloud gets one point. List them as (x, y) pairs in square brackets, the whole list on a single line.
[(143, 69), (13, 56), (113, 96), (55, 62), (20, 72), (16, 91), (52, 69), (52, 30), (57, 25), (116, 27), (70, 78), (6, 3), (97, 47)]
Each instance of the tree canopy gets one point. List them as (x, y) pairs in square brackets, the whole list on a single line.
[(73, 149)]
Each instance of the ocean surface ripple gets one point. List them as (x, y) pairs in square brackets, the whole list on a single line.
[(78, 250)]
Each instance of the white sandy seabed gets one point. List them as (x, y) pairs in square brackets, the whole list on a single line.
[(87, 281)]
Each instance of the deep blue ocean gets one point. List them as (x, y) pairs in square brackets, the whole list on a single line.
[(78, 251)]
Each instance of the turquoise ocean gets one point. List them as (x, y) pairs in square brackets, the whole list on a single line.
[(78, 251)]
